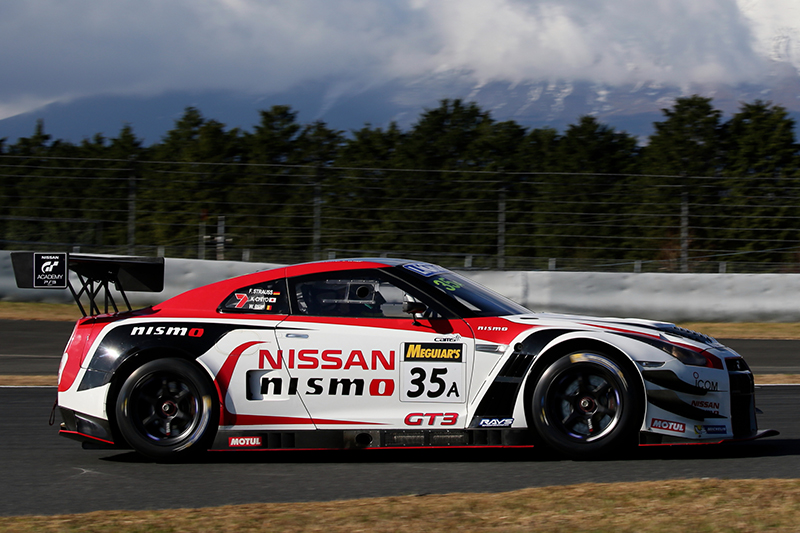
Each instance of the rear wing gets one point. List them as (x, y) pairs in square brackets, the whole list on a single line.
[(96, 273)]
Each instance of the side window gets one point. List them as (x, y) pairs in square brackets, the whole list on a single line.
[(267, 298), (349, 294)]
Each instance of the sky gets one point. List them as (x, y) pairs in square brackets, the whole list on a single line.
[(57, 51)]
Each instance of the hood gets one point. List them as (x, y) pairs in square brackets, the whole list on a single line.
[(634, 325)]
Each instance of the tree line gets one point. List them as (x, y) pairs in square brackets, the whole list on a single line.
[(457, 183)]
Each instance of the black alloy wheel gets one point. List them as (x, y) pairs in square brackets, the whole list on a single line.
[(167, 409), (587, 405)]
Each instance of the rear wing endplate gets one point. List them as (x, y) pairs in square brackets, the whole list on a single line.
[(96, 273)]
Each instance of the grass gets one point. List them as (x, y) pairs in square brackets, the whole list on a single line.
[(748, 330), (697, 505), (39, 311)]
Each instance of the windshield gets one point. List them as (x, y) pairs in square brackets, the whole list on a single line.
[(475, 297)]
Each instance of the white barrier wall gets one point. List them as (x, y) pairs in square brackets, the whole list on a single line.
[(670, 297)]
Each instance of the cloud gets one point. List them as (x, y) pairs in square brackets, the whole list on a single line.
[(615, 41), (54, 50)]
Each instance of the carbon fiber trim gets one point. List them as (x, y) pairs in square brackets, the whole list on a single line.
[(392, 438), (499, 400), (669, 380)]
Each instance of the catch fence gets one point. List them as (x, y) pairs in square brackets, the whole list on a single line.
[(470, 219)]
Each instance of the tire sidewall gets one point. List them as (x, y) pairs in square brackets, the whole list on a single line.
[(205, 421)]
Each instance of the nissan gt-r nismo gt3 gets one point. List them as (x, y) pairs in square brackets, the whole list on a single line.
[(389, 353)]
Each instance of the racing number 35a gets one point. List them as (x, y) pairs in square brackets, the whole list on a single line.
[(433, 372), (432, 387)]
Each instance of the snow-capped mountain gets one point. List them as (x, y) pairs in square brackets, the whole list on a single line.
[(627, 68)]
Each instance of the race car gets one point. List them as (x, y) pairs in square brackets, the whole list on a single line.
[(376, 353)]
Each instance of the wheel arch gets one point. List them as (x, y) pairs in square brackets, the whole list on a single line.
[(559, 348), (135, 360)]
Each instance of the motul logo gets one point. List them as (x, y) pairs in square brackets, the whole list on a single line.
[(668, 425), (244, 441)]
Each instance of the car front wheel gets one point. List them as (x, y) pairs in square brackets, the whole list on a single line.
[(167, 409), (587, 405)]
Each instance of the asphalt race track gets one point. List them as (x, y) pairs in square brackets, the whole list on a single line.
[(43, 473)]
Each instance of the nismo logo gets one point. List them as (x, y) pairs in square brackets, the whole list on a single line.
[(434, 352), (176, 331)]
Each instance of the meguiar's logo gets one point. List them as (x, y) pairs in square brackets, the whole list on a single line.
[(426, 351)]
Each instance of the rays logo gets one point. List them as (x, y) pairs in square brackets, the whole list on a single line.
[(495, 422)]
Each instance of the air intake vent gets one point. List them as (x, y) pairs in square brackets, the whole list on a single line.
[(405, 438), (688, 334)]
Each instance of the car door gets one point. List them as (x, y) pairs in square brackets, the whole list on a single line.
[(255, 385), (358, 360)]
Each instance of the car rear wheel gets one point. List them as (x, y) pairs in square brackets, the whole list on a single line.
[(587, 405), (167, 409)]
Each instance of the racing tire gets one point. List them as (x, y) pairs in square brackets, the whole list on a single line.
[(167, 410), (587, 405)]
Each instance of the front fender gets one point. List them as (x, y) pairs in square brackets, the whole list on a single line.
[(627, 350)]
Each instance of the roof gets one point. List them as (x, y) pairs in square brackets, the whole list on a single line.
[(211, 295)]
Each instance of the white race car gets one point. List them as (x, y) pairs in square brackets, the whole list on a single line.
[(375, 353)]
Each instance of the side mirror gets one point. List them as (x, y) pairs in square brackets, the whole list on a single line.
[(414, 308)]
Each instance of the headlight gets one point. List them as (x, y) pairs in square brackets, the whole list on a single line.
[(685, 356)]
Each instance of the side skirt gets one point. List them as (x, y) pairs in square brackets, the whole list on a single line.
[(334, 439), (653, 439)]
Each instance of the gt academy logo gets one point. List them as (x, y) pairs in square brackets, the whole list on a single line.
[(241, 442), (495, 422), (50, 271), (434, 352), (668, 425)]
